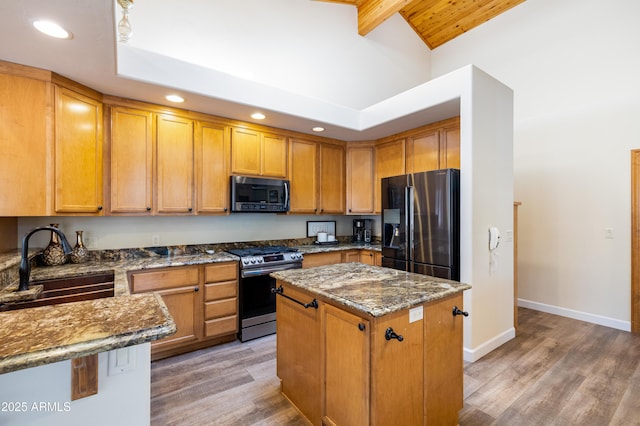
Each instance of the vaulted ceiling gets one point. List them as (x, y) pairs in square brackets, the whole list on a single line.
[(435, 21)]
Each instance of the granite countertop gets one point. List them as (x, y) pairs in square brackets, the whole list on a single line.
[(372, 290), (37, 336)]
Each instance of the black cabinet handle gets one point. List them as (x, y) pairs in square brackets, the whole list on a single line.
[(280, 291), (225, 209), (99, 207), (457, 311), (361, 326), (148, 209), (190, 209), (196, 289), (390, 334)]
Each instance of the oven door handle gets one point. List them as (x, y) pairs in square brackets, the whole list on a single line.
[(266, 270), (313, 304)]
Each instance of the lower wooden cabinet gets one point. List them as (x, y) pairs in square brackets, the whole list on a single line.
[(369, 257), (320, 259), (338, 368), (202, 300)]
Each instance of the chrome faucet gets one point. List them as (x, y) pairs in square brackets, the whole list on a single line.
[(25, 265)]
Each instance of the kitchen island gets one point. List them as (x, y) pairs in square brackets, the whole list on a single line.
[(360, 344)]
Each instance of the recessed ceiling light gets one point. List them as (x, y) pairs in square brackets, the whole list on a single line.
[(52, 29), (258, 116), (174, 98), (318, 129)]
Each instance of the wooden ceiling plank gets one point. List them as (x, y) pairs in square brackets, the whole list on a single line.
[(471, 20), (372, 13), (445, 14)]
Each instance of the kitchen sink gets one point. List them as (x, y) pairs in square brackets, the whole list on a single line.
[(68, 289)]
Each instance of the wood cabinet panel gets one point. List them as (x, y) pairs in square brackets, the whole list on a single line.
[(212, 167), (390, 161), (319, 259), (351, 256), (221, 272), (220, 326), (360, 180), (220, 290), (220, 308), (131, 161), (274, 156), (181, 302), (25, 142), (174, 145), (78, 153), (450, 141), (346, 367), (303, 175), (163, 279), (332, 179), (299, 347), (437, 147), (424, 152)]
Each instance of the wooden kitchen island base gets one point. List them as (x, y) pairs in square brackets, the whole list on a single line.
[(351, 363)]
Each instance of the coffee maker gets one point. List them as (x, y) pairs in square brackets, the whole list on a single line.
[(362, 231)]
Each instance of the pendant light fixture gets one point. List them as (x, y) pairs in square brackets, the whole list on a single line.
[(124, 27)]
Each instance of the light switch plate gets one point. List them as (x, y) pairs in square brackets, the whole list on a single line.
[(416, 314), (122, 360)]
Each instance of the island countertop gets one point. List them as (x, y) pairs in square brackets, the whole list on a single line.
[(373, 290)]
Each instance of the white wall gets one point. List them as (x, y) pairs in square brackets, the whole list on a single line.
[(131, 232), (573, 66)]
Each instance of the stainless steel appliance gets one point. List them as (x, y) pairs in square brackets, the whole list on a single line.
[(256, 302), (259, 195), (362, 231), (421, 223)]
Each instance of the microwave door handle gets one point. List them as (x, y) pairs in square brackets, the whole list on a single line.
[(286, 195)]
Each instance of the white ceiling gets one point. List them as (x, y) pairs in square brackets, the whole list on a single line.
[(300, 62)]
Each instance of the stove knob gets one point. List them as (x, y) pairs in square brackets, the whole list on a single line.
[(253, 260), (245, 261), (260, 260)]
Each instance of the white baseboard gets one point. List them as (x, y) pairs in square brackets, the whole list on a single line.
[(578, 315), (472, 355)]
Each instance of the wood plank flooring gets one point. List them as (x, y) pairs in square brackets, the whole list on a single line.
[(557, 371)]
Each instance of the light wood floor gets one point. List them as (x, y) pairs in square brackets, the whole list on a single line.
[(557, 371)]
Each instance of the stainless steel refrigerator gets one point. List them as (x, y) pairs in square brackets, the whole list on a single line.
[(421, 223)]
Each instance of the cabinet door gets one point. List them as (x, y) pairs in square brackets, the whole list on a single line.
[(332, 177), (78, 153), (181, 303), (367, 257), (245, 152), (131, 160), (274, 156), (174, 186), (303, 176), (397, 392), (299, 350), (443, 361), (346, 368), (450, 147), (390, 161), (423, 152), (212, 168), (351, 256), (360, 180), (25, 138)]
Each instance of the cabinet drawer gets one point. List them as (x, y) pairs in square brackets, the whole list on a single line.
[(319, 259), (216, 291), (163, 279), (220, 308), (218, 327), (221, 272)]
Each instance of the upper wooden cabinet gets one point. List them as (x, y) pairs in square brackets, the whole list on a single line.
[(174, 187), (332, 179), (390, 161), (258, 154), (25, 140), (78, 152), (360, 179), (435, 147), (131, 160), (212, 167), (316, 171)]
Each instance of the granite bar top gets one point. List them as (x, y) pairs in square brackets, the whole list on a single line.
[(372, 290), (37, 336)]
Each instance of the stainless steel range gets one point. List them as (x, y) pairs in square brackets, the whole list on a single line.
[(257, 303)]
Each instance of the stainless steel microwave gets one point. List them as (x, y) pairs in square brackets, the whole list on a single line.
[(259, 195)]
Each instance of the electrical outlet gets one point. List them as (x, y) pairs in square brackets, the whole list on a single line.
[(155, 240), (90, 242), (608, 233)]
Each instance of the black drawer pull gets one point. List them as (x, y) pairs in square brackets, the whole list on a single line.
[(313, 304), (457, 311), (390, 334)]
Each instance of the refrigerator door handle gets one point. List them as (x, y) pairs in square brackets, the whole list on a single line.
[(408, 225)]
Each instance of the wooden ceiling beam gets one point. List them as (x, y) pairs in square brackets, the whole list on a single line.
[(372, 13)]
